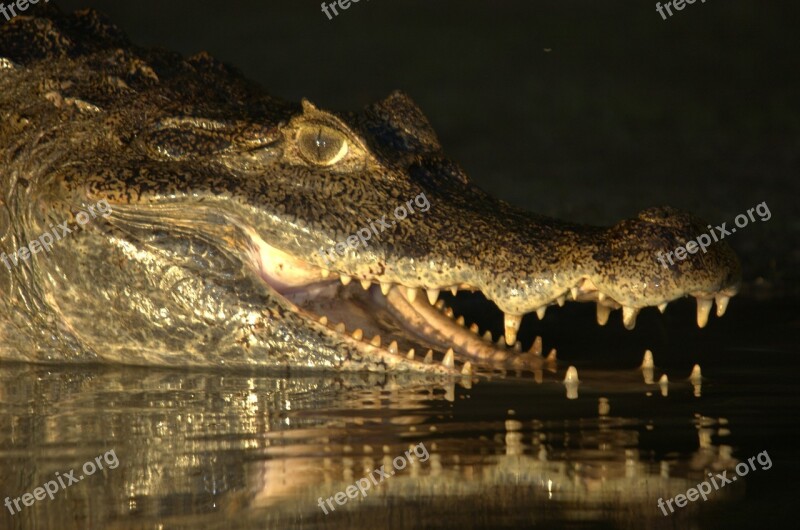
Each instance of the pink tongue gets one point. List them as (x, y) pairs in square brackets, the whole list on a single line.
[(279, 269)]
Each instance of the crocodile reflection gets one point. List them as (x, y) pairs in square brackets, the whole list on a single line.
[(249, 450)]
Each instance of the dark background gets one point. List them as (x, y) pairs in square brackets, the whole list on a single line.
[(585, 110)]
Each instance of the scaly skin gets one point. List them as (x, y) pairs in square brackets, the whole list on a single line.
[(221, 198)]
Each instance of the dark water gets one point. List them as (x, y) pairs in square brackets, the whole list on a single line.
[(208, 450)]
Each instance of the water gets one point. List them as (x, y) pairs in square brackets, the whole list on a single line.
[(236, 450)]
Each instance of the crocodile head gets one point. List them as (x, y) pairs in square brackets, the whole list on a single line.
[(243, 230)]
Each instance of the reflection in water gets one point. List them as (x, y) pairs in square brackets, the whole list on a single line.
[(202, 450)]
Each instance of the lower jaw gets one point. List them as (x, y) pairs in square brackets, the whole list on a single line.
[(379, 320)]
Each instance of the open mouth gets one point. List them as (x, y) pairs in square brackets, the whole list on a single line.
[(411, 328)]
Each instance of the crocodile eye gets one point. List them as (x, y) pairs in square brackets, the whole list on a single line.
[(321, 145)]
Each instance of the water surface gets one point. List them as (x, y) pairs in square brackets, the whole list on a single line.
[(240, 450)]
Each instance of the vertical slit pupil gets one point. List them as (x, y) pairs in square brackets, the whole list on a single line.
[(320, 143)]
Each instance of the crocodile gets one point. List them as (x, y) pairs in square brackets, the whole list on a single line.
[(233, 226)]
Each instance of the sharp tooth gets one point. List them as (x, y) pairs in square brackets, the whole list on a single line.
[(722, 304), (602, 314), (393, 347), (449, 359), (664, 380), (703, 309), (467, 368), (487, 336), (340, 327), (629, 316), (536, 347), (325, 273), (662, 307), (647, 362), (518, 346), (511, 323), (574, 292), (561, 300), (365, 284), (410, 354), (323, 320), (454, 290), (540, 312), (358, 334), (450, 392), (411, 294), (439, 305), (600, 296), (449, 312), (345, 279), (551, 357), (474, 328), (376, 340), (501, 341), (385, 287), (460, 320), (433, 295), (428, 357), (696, 376), (572, 375)]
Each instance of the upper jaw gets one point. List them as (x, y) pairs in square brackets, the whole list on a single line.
[(529, 263)]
